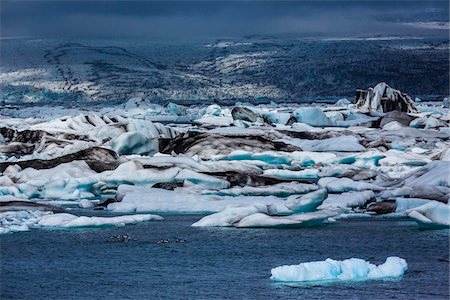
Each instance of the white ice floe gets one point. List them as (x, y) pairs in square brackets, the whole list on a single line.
[(181, 200), (339, 185), (404, 204), (134, 143), (337, 144), (347, 200), (259, 220), (292, 175), (434, 173), (313, 116), (337, 270), (66, 220), (258, 216), (231, 215), (279, 190), (22, 220), (308, 202), (431, 215)]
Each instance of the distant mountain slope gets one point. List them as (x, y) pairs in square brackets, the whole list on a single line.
[(71, 72)]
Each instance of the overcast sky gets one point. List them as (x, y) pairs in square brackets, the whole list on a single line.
[(178, 19)]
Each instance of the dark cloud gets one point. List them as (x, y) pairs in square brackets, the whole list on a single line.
[(218, 18)]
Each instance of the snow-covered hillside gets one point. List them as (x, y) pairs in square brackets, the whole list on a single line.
[(73, 72)]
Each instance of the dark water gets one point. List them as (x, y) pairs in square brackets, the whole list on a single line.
[(217, 263)]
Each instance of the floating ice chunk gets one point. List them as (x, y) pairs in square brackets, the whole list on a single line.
[(298, 220), (394, 125), (292, 175), (201, 179), (339, 185), (277, 117), (68, 220), (343, 102), (22, 220), (12, 170), (308, 158), (134, 143), (347, 200), (308, 202), (433, 122), (395, 157), (164, 161), (338, 144), (348, 269), (302, 127), (270, 157), (215, 121), (65, 181), (181, 200), (84, 203), (133, 172), (213, 110), (431, 215), (313, 116), (404, 204), (231, 215), (176, 109), (434, 173), (279, 190)]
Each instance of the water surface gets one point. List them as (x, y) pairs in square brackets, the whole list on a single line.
[(217, 262)]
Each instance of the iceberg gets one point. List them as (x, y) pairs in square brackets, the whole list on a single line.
[(65, 220), (231, 215), (340, 270), (261, 220), (279, 190), (347, 200), (308, 202), (339, 185), (313, 116), (335, 144), (431, 215), (263, 216), (135, 199), (134, 143)]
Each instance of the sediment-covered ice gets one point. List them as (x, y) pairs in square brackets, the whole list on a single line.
[(204, 159), (340, 270)]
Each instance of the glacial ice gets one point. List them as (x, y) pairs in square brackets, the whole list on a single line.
[(22, 220), (231, 215), (339, 270), (134, 143), (261, 220), (339, 185), (347, 200), (213, 161), (337, 144), (308, 202), (181, 200), (279, 190), (313, 116), (66, 220), (259, 215), (431, 215)]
